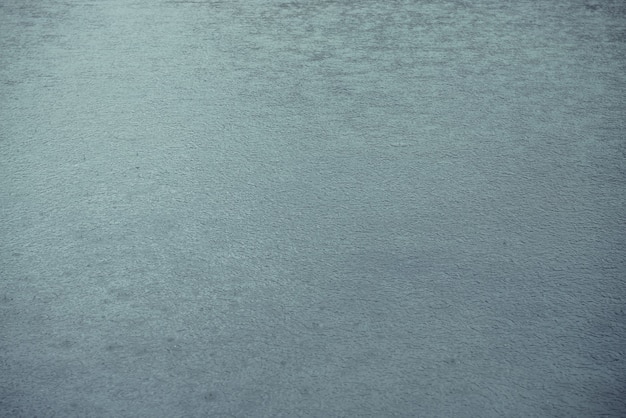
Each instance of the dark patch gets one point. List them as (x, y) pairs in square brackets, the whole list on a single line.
[(113, 347), (66, 344), (210, 396), (6, 299)]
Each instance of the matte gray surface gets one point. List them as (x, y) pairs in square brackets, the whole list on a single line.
[(256, 208)]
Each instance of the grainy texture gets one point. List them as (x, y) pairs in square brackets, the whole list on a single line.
[(312, 208)]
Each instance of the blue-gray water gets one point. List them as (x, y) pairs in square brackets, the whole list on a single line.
[(267, 208)]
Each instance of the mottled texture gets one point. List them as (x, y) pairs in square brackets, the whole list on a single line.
[(266, 208)]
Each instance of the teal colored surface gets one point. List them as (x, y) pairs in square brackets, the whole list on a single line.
[(315, 208)]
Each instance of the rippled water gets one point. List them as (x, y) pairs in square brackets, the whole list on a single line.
[(312, 208)]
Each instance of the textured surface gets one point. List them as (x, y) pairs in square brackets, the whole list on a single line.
[(312, 208)]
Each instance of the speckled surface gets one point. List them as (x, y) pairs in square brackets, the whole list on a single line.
[(266, 208)]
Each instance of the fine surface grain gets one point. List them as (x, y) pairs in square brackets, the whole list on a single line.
[(317, 208)]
